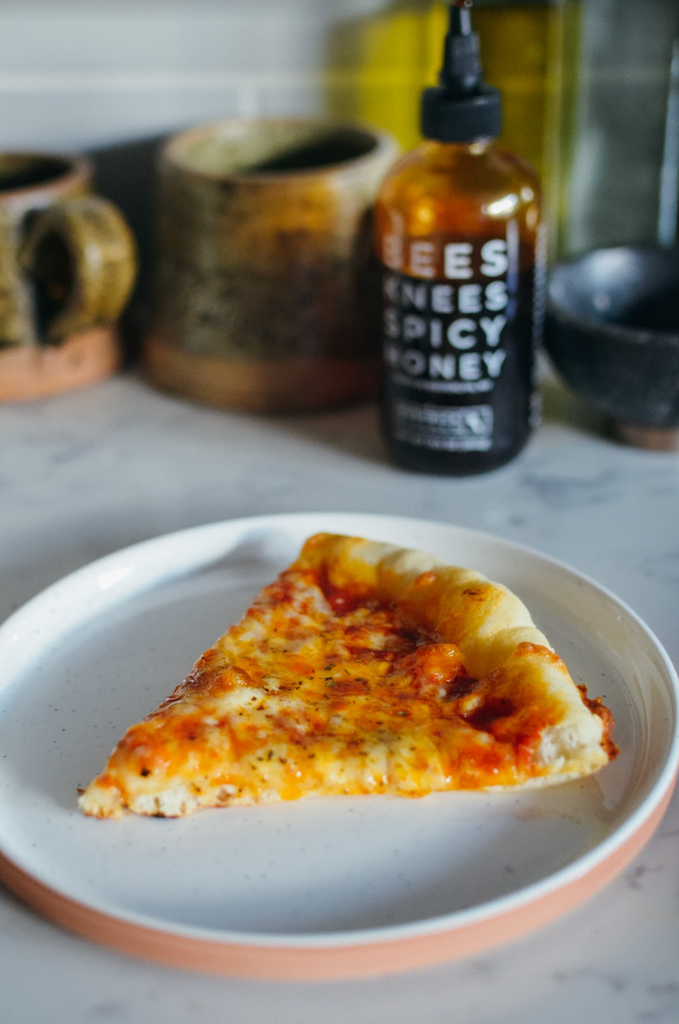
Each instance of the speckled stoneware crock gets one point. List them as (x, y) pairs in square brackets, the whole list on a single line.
[(263, 278), (67, 267)]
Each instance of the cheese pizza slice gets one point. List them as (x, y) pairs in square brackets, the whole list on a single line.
[(364, 668)]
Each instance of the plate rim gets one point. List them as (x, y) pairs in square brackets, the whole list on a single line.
[(131, 931)]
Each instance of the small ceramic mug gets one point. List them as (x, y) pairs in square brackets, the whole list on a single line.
[(67, 267), (263, 288)]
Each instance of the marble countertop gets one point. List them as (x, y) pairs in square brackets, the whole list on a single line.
[(84, 474)]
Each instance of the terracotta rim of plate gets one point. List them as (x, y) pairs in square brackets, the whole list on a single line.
[(291, 962)]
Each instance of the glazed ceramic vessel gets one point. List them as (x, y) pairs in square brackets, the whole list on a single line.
[(264, 278), (612, 331), (67, 267)]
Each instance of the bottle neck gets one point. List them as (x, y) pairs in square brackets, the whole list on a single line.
[(436, 150), (462, 106)]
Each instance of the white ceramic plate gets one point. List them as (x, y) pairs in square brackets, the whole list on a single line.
[(338, 886)]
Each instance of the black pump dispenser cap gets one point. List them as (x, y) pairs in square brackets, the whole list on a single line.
[(461, 108)]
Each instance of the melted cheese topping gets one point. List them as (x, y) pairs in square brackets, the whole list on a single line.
[(325, 688)]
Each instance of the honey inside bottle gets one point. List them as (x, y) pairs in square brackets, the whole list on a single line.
[(457, 238)]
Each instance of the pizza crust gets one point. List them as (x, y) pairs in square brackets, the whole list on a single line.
[(491, 626), (485, 619)]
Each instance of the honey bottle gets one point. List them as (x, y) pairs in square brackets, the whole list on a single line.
[(458, 243)]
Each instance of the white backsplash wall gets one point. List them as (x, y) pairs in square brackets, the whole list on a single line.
[(82, 73)]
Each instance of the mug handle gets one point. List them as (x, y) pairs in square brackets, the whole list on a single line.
[(81, 257)]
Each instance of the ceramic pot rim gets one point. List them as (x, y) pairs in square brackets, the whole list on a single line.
[(382, 147), (76, 168), (604, 330)]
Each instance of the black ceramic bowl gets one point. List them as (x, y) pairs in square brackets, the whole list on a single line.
[(612, 332)]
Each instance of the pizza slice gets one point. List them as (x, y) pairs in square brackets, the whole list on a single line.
[(363, 668)]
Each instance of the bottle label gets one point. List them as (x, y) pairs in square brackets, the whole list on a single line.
[(447, 430), (458, 348)]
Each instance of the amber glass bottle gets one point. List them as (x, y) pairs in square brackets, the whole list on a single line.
[(457, 237)]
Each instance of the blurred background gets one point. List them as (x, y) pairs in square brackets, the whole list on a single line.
[(588, 88)]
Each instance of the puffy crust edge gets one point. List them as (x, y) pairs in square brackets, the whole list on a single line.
[(485, 619), (491, 626)]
